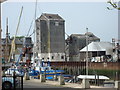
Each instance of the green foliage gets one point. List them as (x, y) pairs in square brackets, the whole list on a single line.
[(110, 73), (114, 5), (18, 37)]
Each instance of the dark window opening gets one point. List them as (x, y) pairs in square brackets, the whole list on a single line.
[(37, 33), (37, 27), (50, 17), (52, 57), (38, 48), (37, 41), (62, 57)]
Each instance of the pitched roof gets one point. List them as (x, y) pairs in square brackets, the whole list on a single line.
[(51, 16), (17, 41), (99, 46), (90, 35)]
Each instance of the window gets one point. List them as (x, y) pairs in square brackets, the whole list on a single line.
[(37, 33), (50, 16), (52, 57), (38, 28), (56, 23), (37, 41), (62, 57), (37, 48)]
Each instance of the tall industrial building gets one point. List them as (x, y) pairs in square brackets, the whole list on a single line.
[(50, 37), (75, 42)]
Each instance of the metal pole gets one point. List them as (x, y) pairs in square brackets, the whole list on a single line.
[(6, 45), (34, 32), (86, 51), (14, 77), (0, 51), (21, 82), (49, 39)]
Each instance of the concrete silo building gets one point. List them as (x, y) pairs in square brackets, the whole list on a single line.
[(50, 37), (76, 42)]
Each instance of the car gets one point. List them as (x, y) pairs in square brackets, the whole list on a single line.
[(8, 83), (11, 71)]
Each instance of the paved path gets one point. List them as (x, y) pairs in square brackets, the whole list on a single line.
[(35, 83)]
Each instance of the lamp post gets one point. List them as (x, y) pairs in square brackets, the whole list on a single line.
[(86, 51)]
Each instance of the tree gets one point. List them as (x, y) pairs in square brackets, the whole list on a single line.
[(113, 4)]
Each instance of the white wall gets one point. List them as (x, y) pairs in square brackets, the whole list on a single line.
[(57, 56)]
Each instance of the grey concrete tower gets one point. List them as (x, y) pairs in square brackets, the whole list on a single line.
[(50, 37)]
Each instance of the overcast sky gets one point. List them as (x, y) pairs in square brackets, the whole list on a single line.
[(77, 15)]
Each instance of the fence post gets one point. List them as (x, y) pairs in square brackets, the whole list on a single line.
[(14, 77), (98, 80), (21, 82)]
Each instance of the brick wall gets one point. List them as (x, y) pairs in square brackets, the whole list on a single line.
[(105, 66)]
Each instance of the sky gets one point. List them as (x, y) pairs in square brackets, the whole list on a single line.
[(77, 15)]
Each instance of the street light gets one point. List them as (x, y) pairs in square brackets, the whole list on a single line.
[(86, 51)]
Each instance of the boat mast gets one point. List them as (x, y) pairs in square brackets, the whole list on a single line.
[(6, 45), (34, 32)]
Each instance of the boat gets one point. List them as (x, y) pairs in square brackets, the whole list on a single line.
[(45, 68)]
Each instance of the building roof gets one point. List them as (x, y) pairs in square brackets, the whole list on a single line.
[(99, 46), (18, 41), (90, 35), (51, 16)]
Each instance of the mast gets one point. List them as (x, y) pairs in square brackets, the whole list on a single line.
[(49, 39), (6, 44), (34, 32), (12, 52)]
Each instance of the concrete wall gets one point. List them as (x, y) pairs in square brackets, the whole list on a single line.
[(54, 56), (112, 70), (76, 43), (57, 36), (93, 65), (50, 38)]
